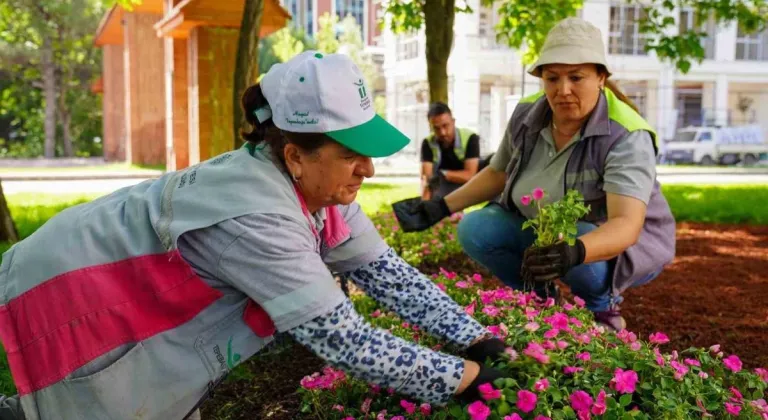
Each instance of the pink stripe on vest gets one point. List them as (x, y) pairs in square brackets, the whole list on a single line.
[(73, 318)]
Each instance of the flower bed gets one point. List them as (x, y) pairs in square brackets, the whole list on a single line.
[(560, 365)]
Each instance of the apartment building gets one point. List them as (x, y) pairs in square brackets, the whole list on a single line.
[(486, 78)]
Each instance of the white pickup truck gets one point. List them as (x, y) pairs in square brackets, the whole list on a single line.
[(711, 145)]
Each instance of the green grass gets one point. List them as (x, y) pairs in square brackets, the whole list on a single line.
[(722, 204), (718, 204), (109, 167)]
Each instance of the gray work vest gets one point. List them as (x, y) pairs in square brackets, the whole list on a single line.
[(611, 120), (103, 319)]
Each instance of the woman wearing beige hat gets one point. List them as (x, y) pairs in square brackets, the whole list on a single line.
[(580, 133)]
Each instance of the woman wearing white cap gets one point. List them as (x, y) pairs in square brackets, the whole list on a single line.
[(580, 133), (138, 304)]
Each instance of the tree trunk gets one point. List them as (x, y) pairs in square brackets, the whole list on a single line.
[(65, 116), (49, 94), (438, 25), (247, 66), (66, 124), (8, 232)]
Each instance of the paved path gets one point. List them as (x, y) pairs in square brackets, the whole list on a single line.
[(101, 186)]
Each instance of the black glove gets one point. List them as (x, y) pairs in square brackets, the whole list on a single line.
[(552, 262), (491, 348), (413, 214), (486, 375)]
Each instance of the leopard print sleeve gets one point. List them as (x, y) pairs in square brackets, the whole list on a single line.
[(403, 289), (346, 341)]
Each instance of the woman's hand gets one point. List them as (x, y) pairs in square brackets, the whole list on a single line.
[(474, 376), (542, 264)]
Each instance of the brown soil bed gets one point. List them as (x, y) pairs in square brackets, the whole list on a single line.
[(715, 292)]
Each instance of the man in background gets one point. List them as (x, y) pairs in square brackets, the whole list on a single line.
[(450, 157)]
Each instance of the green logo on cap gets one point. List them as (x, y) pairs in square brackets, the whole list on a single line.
[(361, 88)]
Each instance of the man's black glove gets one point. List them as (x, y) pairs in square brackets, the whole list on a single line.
[(486, 375), (413, 214), (491, 348), (552, 262)]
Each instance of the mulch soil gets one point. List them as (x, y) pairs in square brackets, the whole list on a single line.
[(714, 292)]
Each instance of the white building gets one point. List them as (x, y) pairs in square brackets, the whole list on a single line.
[(730, 87)]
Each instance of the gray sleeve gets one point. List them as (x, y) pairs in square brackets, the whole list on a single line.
[(630, 166), (275, 262), (364, 245)]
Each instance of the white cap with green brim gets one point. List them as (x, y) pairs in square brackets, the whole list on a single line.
[(326, 93)]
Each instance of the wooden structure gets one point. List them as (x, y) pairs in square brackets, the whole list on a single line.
[(167, 78)]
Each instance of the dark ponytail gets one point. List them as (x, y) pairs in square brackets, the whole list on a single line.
[(266, 131), (252, 100)]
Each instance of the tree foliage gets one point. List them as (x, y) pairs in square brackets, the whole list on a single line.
[(48, 57), (524, 24)]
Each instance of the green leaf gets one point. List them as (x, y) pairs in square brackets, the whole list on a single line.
[(556, 395), (625, 400), (456, 411), (504, 408)]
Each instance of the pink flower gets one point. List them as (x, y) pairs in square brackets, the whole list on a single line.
[(531, 326), (491, 310), (538, 193), (441, 286), (338, 407), (715, 348), (511, 353), (575, 321), (567, 306), (513, 416), (536, 351), (579, 301), (680, 369), (736, 394), (540, 417), (448, 274), (549, 345), (497, 330), (558, 320), (477, 278), (408, 406), (397, 418), (581, 401), (762, 373), (541, 385), (584, 356), (526, 401), (626, 336), (425, 409), (470, 309), (570, 370), (635, 346), (732, 409), (550, 302), (624, 381), (488, 392), (733, 363), (703, 375), (366, 406), (562, 345), (658, 338), (478, 411), (349, 418), (659, 357), (525, 200), (462, 284), (552, 333), (599, 408), (692, 362)]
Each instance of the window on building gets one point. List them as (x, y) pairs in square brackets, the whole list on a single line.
[(752, 47), (407, 48), (301, 12), (688, 22), (355, 8), (624, 35)]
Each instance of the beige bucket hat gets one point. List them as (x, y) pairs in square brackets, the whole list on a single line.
[(571, 41)]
